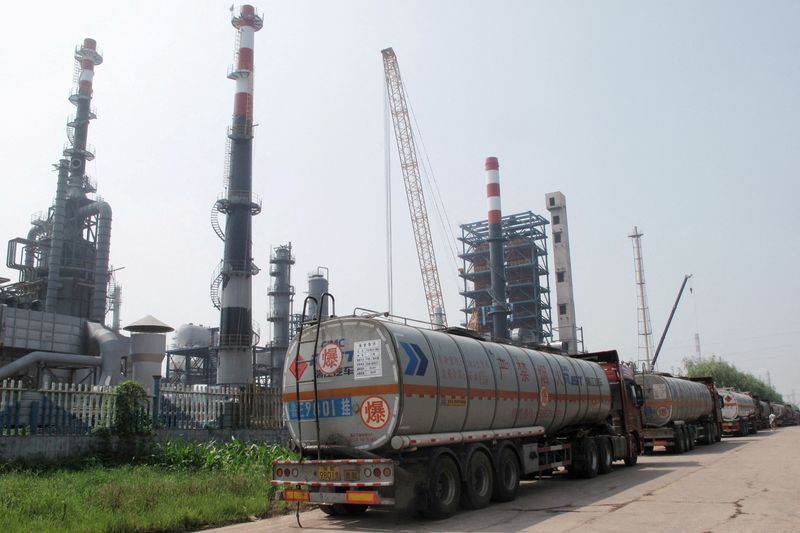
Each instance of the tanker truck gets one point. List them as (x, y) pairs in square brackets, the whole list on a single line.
[(738, 413), (384, 413), (764, 412), (679, 412), (779, 410)]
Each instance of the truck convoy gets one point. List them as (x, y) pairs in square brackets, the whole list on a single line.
[(738, 413), (387, 414), (678, 412)]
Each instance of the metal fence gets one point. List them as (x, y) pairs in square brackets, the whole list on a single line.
[(80, 409)]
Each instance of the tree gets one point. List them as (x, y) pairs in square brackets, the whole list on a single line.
[(727, 375)]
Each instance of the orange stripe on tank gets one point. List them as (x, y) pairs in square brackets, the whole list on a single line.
[(343, 392)]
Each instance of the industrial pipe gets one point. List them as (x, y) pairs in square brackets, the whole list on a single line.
[(34, 358), (99, 294), (56, 254)]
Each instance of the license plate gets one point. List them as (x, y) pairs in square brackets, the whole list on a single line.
[(330, 473), (351, 475)]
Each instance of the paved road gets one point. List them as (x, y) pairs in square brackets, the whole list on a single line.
[(741, 484)]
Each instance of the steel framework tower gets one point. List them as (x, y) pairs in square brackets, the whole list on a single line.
[(237, 269), (407, 151), (645, 328), (526, 273)]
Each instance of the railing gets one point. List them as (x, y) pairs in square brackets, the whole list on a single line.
[(56, 409), (80, 409)]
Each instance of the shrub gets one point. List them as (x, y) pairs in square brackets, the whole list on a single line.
[(130, 416)]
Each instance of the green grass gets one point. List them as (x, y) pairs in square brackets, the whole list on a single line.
[(184, 487)]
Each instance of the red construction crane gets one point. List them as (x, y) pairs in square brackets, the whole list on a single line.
[(407, 151)]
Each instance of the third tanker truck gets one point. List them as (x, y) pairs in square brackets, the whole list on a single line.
[(387, 414)]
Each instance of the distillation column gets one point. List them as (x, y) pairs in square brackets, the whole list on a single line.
[(497, 263), (236, 324)]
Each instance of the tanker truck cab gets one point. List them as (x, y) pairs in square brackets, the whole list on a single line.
[(388, 414)]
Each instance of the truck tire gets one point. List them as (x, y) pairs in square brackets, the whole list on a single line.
[(605, 455), (478, 482), (329, 510), (444, 489), (633, 457), (680, 441), (506, 476), (690, 438), (708, 434), (717, 433)]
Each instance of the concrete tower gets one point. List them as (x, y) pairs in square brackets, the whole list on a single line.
[(565, 301), (236, 321)]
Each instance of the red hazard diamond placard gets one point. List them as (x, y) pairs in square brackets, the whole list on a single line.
[(297, 367)]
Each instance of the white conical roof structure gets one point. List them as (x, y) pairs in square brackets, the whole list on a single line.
[(148, 324)]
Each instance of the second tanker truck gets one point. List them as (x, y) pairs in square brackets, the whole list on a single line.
[(738, 413), (679, 412), (386, 414)]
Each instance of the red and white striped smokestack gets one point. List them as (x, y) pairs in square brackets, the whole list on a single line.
[(88, 58), (493, 190), (247, 22), (496, 253)]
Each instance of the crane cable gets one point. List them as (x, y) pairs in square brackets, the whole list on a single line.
[(433, 186)]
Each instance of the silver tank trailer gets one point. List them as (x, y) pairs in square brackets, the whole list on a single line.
[(736, 405), (378, 380), (668, 399), (777, 409)]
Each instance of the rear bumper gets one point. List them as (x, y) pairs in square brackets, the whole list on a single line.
[(351, 497)]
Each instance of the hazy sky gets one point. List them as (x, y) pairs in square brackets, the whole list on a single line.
[(679, 117)]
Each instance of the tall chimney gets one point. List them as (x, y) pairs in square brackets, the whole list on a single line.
[(496, 254), (87, 58), (236, 321)]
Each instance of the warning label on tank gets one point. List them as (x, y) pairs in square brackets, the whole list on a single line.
[(367, 359), (329, 359), (374, 412), (659, 391)]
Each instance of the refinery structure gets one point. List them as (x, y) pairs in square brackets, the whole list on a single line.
[(59, 322)]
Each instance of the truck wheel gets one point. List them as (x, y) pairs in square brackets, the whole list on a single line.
[(592, 461), (680, 442), (717, 433), (690, 438), (444, 489), (329, 510), (605, 457), (506, 478), (478, 482), (633, 457)]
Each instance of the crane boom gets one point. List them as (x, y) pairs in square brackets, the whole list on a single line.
[(407, 151)]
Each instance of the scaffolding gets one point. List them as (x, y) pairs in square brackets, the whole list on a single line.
[(526, 272)]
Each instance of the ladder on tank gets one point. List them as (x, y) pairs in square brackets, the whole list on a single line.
[(316, 322)]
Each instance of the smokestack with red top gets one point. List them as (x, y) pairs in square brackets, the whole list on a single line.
[(496, 254), (86, 57), (236, 321)]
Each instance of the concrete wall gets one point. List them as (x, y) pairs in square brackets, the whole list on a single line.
[(55, 447)]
